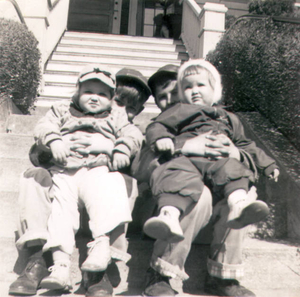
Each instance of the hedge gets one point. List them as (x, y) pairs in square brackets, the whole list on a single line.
[(259, 60), (20, 73)]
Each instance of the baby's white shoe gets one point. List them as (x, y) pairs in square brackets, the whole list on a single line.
[(165, 227), (98, 255), (244, 212), (59, 279)]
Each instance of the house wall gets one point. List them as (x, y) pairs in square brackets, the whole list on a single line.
[(47, 20)]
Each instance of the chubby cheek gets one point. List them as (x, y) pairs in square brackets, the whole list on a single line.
[(208, 101), (187, 96), (162, 104), (83, 98)]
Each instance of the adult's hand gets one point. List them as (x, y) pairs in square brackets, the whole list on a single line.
[(226, 146), (211, 146), (93, 143)]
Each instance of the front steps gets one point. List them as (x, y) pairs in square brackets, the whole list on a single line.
[(78, 49)]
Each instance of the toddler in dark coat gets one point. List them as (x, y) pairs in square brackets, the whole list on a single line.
[(200, 89)]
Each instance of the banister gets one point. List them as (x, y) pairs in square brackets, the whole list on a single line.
[(52, 6), (202, 27), (262, 17), (18, 10), (194, 6)]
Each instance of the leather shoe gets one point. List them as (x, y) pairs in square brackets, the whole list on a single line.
[(28, 282), (157, 285), (98, 284), (225, 287)]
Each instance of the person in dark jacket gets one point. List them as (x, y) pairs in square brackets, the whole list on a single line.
[(225, 262), (199, 87)]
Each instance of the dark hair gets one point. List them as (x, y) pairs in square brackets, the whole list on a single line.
[(161, 80), (131, 90)]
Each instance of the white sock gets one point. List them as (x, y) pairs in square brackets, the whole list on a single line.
[(102, 238), (236, 196), (60, 257), (174, 211)]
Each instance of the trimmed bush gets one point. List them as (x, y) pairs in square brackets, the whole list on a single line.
[(271, 7), (19, 64), (259, 60)]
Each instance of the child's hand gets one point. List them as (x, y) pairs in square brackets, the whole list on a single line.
[(120, 161), (59, 151), (165, 144), (274, 175)]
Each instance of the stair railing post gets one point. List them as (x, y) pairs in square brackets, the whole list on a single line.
[(212, 27)]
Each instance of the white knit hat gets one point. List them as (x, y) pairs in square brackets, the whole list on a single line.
[(210, 68)]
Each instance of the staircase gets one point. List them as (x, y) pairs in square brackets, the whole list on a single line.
[(78, 49), (271, 268)]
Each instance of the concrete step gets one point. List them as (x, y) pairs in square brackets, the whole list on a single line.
[(124, 45), (54, 66), (118, 51), (15, 145), (121, 62), (8, 213), (57, 91), (124, 38), (21, 124), (10, 171), (45, 102)]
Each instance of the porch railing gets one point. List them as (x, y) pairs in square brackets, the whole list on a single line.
[(202, 28)]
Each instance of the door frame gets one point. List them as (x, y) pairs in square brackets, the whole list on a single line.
[(136, 17)]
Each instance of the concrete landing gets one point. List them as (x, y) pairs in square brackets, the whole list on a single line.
[(272, 269)]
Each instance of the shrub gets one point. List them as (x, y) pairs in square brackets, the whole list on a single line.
[(271, 7), (19, 64), (260, 64)]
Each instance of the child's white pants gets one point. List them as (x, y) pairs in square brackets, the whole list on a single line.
[(104, 195)]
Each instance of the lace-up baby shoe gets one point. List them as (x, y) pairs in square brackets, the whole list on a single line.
[(244, 211), (98, 255), (164, 227), (59, 279)]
